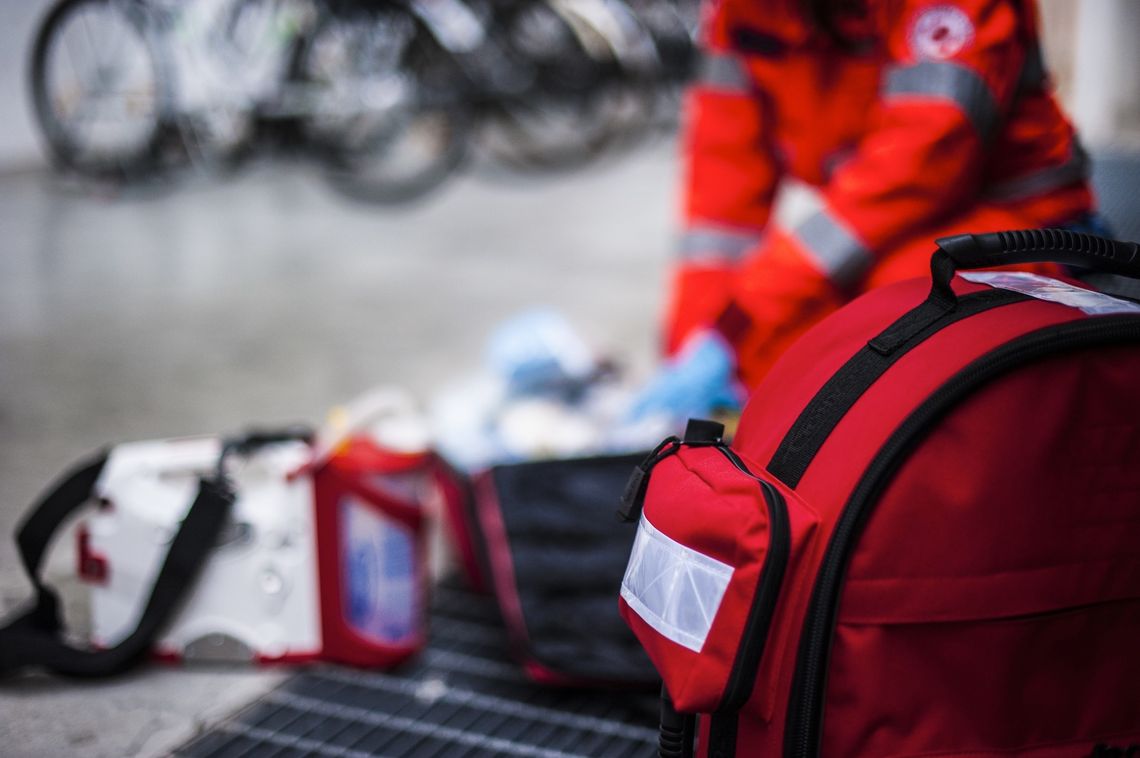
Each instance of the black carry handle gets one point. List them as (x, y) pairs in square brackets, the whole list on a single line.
[(253, 439), (1043, 245), (34, 638), (966, 251)]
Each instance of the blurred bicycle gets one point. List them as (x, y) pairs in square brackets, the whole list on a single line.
[(123, 88), (390, 96)]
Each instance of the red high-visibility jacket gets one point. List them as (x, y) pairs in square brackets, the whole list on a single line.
[(935, 118)]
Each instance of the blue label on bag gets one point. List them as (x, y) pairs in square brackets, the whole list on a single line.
[(379, 570)]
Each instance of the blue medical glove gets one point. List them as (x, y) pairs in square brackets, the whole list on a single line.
[(698, 380)]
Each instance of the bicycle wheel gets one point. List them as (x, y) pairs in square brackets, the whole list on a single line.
[(98, 88), (256, 39), (561, 121), (548, 131), (245, 59), (388, 121), (570, 126)]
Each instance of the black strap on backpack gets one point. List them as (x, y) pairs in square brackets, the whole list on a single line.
[(34, 638)]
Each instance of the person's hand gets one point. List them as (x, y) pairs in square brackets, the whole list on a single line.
[(699, 379)]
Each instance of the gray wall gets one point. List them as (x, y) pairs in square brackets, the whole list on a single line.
[(19, 147), (1106, 91)]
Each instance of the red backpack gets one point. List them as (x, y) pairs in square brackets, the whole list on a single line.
[(924, 539)]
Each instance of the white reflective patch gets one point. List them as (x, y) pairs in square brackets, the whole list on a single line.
[(674, 589), (1044, 288)]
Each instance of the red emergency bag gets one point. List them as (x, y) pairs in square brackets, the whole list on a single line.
[(924, 539)]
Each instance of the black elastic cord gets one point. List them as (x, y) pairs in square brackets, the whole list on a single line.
[(1042, 245), (677, 731)]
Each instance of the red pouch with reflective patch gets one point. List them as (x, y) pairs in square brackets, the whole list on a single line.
[(713, 544)]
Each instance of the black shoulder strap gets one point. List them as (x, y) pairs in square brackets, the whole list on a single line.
[(34, 638), (831, 403)]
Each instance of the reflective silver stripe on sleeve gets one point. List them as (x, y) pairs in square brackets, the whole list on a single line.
[(724, 72), (947, 81), (1044, 180), (712, 244), (835, 250)]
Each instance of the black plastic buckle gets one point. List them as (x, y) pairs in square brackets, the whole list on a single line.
[(633, 497)]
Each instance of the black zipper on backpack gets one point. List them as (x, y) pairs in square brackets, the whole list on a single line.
[(722, 730), (744, 668), (803, 731)]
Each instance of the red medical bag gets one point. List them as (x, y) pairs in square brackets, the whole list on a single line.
[(924, 539)]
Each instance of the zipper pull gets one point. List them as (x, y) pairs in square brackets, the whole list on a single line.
[(702, 431), (629, 507)]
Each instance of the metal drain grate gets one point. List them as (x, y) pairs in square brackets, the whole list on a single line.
[(461, 697)]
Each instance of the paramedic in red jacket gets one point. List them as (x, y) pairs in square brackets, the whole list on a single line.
[(912, 119)]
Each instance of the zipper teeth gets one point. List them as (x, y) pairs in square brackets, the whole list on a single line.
[(762, 620), (807, 717), (736, 461)]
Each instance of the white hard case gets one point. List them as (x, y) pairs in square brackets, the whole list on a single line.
[(256, 598)]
